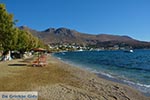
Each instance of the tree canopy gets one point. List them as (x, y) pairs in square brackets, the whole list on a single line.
[(12, 38)]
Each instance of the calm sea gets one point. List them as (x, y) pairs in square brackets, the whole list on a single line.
[(129, 68)]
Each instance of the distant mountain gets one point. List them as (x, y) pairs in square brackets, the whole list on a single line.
[(68, 36)]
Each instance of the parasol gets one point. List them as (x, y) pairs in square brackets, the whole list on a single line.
[(39, 50)]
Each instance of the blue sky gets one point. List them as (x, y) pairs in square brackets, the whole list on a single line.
[(118, 17)]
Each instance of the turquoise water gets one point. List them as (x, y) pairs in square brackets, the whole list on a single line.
[(129, 68)]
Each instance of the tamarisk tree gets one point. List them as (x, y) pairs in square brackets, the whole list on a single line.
[(12, 38)]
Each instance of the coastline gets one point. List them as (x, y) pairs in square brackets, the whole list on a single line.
[(60, 81), (112, 72), (128, 83)]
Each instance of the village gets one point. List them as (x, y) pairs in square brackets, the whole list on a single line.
[(75, 47)]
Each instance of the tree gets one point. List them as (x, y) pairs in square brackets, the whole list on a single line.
[(6, 28), (12, 38)]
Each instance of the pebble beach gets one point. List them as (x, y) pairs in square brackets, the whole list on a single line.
[(61, 81)]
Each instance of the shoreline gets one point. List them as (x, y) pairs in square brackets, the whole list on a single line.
[(103, 77), (60, 81), (132, 85), (139, 87)]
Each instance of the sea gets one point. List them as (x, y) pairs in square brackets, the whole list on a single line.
[(132, 69)]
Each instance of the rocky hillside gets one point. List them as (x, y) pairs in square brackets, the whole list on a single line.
[(68, 36)]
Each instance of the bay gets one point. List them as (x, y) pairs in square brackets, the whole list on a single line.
[(129, 68)]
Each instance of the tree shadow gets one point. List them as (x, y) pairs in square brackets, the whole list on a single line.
[(17, 64)]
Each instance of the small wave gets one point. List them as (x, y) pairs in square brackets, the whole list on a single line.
[(100, 72), (144, 88), (106, 74), (143, 85), (59, 58), (129, 82), (138, 84), (63, 53)]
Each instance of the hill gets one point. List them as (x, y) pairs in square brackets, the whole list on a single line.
[(68, 36)]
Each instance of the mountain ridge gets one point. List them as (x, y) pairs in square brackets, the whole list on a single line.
[(68, 36)]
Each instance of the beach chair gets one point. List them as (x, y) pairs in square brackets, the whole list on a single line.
[(35, 62), (41, 61)]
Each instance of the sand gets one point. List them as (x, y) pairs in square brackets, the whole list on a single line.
[(60, 81)]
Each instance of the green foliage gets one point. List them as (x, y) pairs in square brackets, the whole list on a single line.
[(26, 41), (12, 38), (6, 27)]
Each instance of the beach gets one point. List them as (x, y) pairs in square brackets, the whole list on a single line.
[(61, 81)]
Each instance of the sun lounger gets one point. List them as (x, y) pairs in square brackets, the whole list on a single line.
[(41, 61)]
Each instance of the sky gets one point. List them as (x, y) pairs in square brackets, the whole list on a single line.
[(117, 17)]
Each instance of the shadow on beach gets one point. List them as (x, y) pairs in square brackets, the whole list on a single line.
[(17, 64)]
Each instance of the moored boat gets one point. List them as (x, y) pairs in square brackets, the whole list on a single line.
[(129, 51)]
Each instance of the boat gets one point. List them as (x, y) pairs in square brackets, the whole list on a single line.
[(80, 50), (129, 51)]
